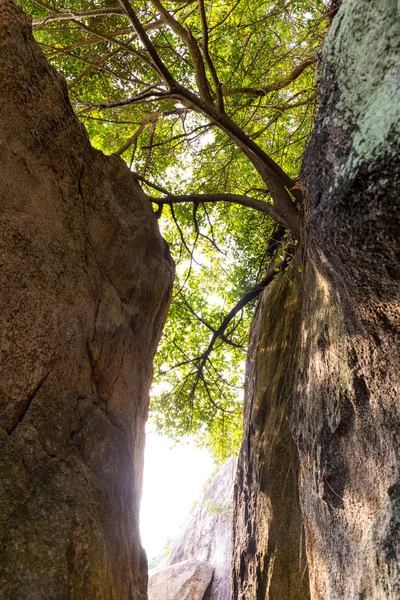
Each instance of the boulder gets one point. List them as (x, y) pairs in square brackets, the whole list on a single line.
[(186, 580), (208, 533)]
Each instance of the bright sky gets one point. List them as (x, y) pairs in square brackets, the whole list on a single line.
[(174, 476)]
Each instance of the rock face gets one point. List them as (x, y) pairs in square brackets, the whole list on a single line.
[(269, 554), (187, 580), (85, 286), (320, 458), (208, 534)]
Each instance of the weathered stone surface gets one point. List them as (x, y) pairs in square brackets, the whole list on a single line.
[(320, 459), (85, 286), (347, 417), (268, 547), (208, 533), (187, 580)]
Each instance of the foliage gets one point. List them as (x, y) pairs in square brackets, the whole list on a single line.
[(173, 107)]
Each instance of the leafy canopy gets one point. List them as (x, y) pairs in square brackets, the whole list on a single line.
[(211, 97)]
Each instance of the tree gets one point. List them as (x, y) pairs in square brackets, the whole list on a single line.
[(211, 105)]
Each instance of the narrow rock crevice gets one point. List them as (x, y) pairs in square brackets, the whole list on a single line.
[(27, 403)]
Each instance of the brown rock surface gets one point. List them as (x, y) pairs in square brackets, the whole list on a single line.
[(268, 547), (85, 286), (320, 460), (346, 421)]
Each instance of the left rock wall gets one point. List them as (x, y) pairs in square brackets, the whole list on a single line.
[(85, 283)]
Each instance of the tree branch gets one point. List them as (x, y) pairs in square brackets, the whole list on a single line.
[(152, 185), (254, 203), (180, 136), (209, 62), (149, 147), (132, 140), (191, 44), (67, 16), (96, 65), (111, 39), (144, 38), (280, 110), (147, 93), (278, 182), (207, 325), (248, 297), (273, 87)]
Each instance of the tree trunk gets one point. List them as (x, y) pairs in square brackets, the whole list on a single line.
[(85, 286), (320, 458)]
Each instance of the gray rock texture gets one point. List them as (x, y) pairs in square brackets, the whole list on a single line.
[(317, 499), (346, 421), (208, 533), (85, 287), (269, 559), (187, 580)]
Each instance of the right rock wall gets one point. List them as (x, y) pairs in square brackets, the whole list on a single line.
[(320, 456)]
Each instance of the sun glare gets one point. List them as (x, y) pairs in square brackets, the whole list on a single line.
[(174, 476)]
